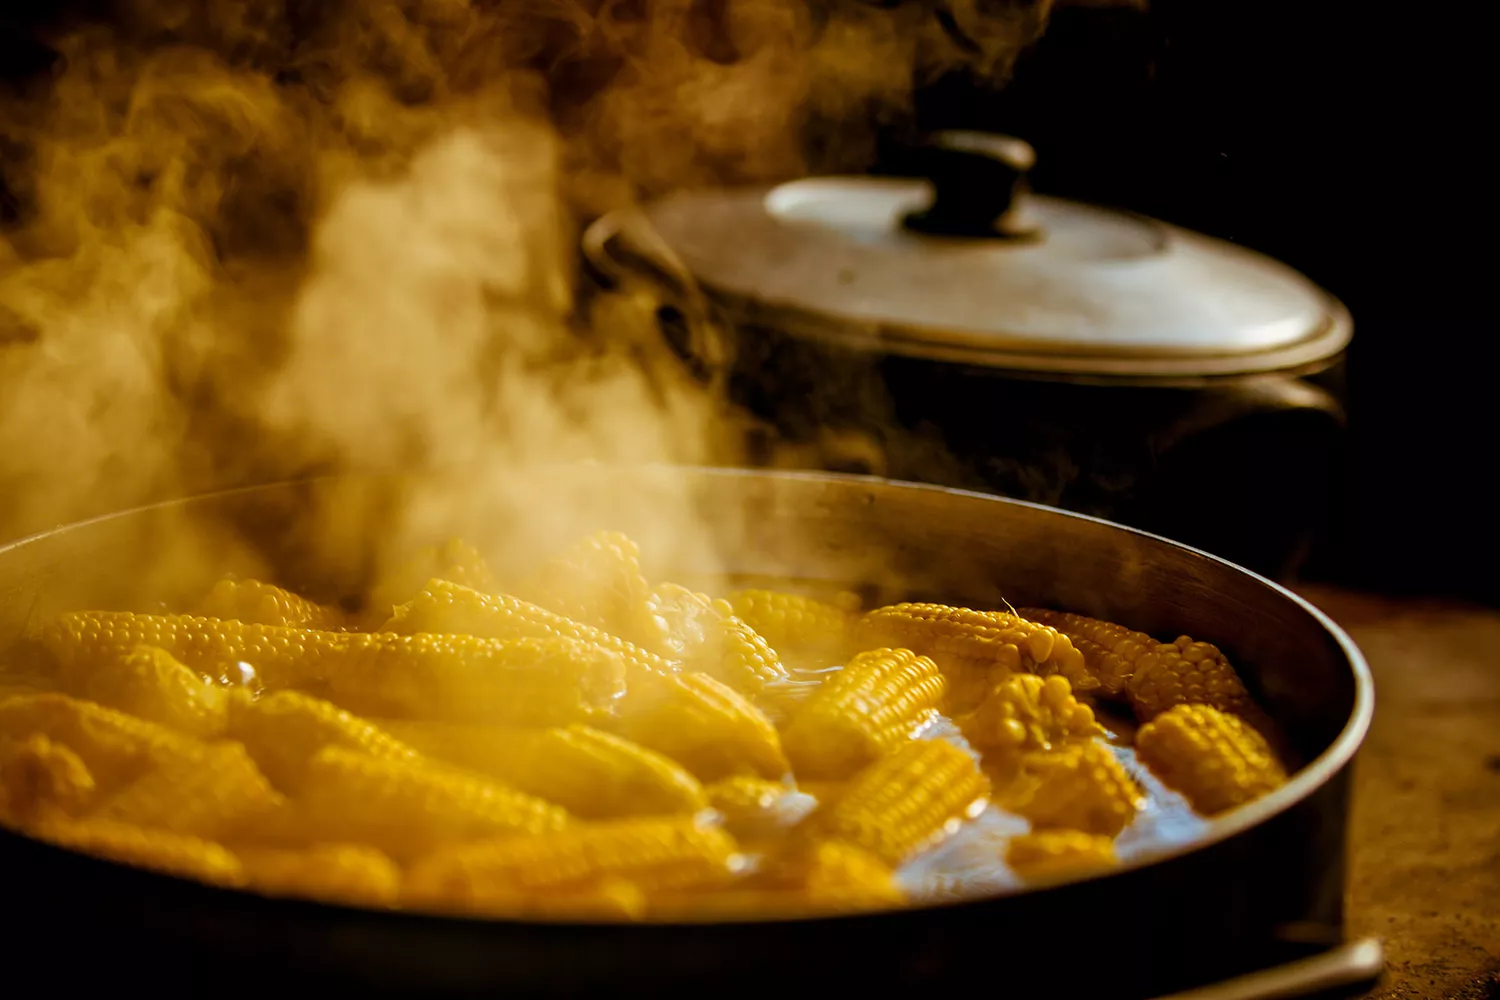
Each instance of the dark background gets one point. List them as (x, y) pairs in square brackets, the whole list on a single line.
[(1348, 140), (1352, 141)]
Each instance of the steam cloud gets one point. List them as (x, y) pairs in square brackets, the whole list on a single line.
[(253, 239)]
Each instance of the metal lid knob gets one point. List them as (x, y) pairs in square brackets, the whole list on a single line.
[(979, 179)]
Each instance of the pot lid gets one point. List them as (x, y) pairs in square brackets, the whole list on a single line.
[(960, 262)]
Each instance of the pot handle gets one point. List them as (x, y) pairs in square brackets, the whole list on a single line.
[(979, 185), (1356, 963), (682, 313)]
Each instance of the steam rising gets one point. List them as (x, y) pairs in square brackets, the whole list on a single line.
[(261, 238)]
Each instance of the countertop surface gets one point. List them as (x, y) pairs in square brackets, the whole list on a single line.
[(1425, 837)]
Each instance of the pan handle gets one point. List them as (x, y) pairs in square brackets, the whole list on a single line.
[(1356, 963)]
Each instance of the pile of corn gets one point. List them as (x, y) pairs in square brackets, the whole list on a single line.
[(598, 745)]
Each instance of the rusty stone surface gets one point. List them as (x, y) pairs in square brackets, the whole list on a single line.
[(1425, 839)]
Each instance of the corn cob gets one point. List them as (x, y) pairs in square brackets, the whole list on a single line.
[(597, 580), (843, 876), (285, 730), (455, 561), (445, 607), (737, 655), (798, 626), (705, 725), (974, 649), (655, 855), (156, 850), (755, 808), (1186, 672), (1216, 760), (41, 779), (1079, 787), (1109, 650), (591, 774), (522, 681), (822, 877), (678, 620), (257, 603), (407, 808), (882, 698), (147, 682), (114, 747), (338, 873), (1025, 712), (1056, 852), (905, 802), (1153, 675), (209, 796)]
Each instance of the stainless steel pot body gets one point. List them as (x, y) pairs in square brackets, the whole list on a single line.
[(1264, 887)]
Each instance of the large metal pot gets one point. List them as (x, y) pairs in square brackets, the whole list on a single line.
[(1265, 886), (975, 334)]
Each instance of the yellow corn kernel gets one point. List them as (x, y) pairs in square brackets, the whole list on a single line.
[(521, 681), (351, 874), (1025, 712), (407, 808), (1051, 853), (209, 796), (975, 649), (155, 850), (906, 801), (41, 779), (737, 655), (591, 774), (1109, 650), (445, 607), (842, 876), (596, 580), (258, 603), (1186, 672), (655, 855), (1082, 786), (114, 747), (148, 682), (822, 877), (882, 698), (285, 730), (455, 560), (1216, 760), (801, 627), (678, 620), (705, 725), (1153, 675), (757, 808)]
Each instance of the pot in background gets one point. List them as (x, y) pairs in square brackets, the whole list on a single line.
[(943, 324)]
